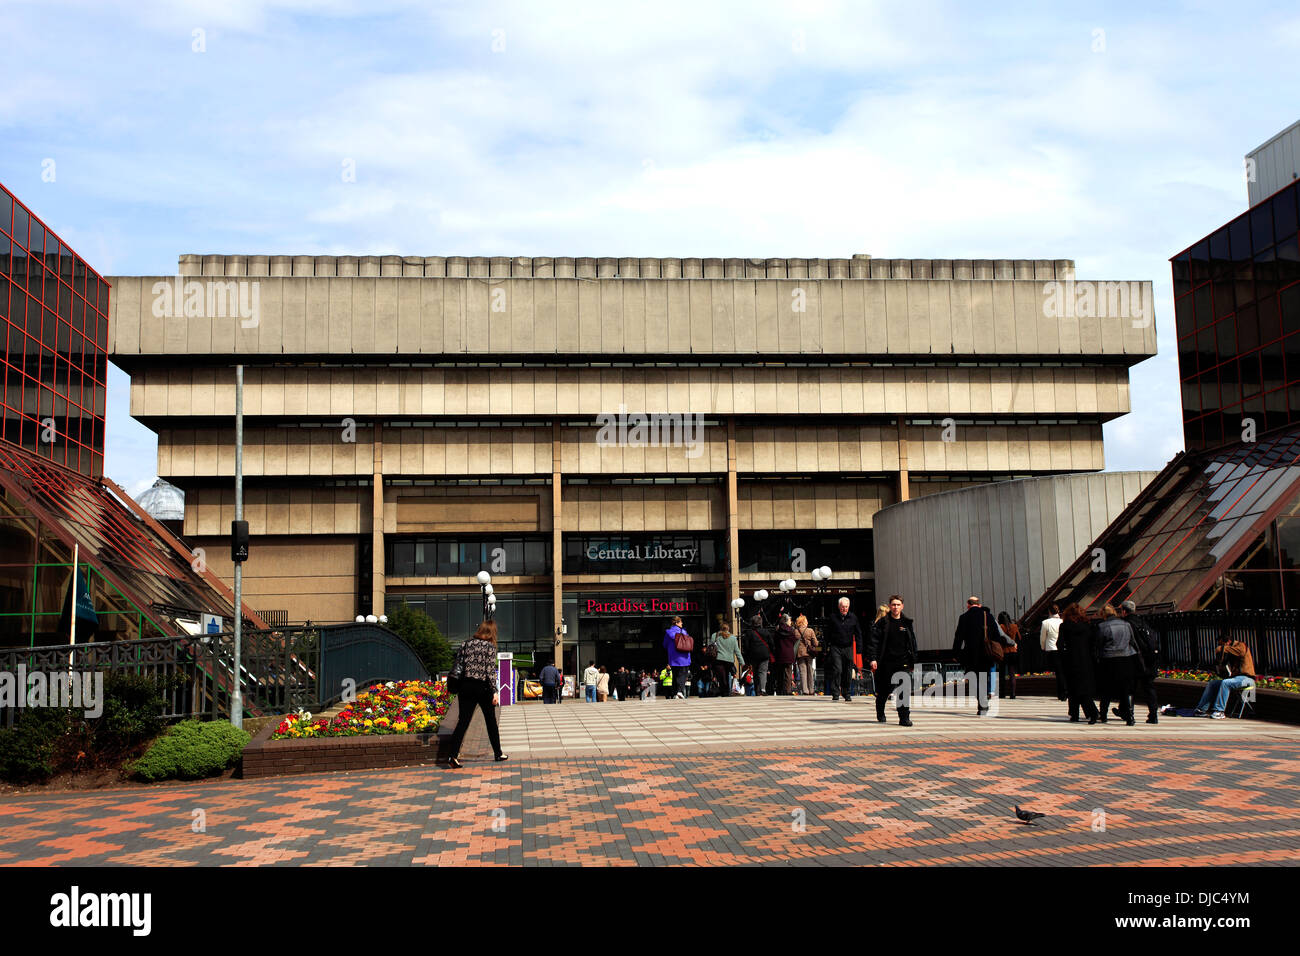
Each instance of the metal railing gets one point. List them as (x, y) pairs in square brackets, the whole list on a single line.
[(280, 670)]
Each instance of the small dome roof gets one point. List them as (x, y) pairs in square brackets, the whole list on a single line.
[(163, 501)]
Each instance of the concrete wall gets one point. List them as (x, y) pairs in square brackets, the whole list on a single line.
[(478, 316), (1004, 542)]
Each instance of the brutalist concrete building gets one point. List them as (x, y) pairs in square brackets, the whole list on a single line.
[(604, 434)]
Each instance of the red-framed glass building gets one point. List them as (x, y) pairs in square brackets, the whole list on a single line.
[(54, 313), (56, 506), (1237, 308)]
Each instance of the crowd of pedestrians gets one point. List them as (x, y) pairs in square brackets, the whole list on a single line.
[(1110, 660)]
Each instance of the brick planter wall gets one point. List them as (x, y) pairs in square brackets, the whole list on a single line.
[(1269, 704), (264, 757)]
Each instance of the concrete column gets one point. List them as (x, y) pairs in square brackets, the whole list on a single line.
[(557, 551), (903, 494), (733, 530), (377, 529)]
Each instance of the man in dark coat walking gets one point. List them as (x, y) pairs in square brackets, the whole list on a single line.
[(973, 626), (892, 652), (842, 629)]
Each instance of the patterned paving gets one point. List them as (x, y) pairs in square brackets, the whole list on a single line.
[(575, 728), (1142, 801)]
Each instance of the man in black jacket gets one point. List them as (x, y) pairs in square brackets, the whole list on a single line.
[(892, 652), (968, 643), (842, 629), (1148, 642)]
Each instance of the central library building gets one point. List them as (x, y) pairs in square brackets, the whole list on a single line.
[(616, 440)]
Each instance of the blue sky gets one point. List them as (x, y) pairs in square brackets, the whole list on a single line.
[(1103, 133)]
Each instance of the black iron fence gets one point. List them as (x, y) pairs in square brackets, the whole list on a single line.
[(280, 670), (1188, 639)]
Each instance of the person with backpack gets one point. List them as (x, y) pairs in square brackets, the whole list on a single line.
[(1148, 641), (758, 651), (679, 645), (805, 654)]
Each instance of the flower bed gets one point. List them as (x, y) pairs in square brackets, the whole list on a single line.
[(408, 707), (1288, 684)]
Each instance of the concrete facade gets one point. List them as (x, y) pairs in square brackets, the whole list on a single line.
[(382, 393), (1003, 542)]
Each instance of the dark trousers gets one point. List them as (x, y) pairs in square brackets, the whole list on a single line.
[(1007, 677), (550, 694), (893, 679), (1053, 661), (1144, 690), (839, 664), (1117, 685), (784, 678), (723, 674), (475, 693), (681, 681)]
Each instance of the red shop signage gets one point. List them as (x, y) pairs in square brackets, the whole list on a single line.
[(640, 606)]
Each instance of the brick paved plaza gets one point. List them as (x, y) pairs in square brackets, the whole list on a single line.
[(719, 784)]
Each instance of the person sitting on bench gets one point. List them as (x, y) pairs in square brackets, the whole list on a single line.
[(1235, 662)]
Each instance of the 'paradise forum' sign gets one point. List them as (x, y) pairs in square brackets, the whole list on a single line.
[(640, 606)]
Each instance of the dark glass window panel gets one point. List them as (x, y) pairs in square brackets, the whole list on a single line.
[(1288, 542), (1239, 238), (48, 324), (1219, 259), (6, 210), (21, 220), (62, 338), (1223, 301), (1288, 261), (101, 331), (1247, 325), (1266, 272), (36, 239), (1244, 290), (1249, 375), (1203, 306), (1199, 256), (1229, 385), (536, 557), (1261, 226), (64, 307), (78, 313), (1181, 268), (1289, 303), (34, 311), (103, 298), (1284, 215), (92, 291), (35, 275), (1271, 366), (1270, 326), (1226, 338)]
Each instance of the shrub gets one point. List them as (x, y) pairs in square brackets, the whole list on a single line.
[(418, 629), (190, 750), (27, 750)]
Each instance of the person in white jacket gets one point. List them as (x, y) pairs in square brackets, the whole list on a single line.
[(1047, 638), (590, 678)]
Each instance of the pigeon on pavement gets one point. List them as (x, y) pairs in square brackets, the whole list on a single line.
[(1028, 816)]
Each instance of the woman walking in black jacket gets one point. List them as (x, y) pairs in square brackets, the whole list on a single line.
[(475, 668), (1074, 644)]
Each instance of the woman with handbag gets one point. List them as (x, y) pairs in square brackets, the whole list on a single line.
[(473, 679), (805, 654), (787, 638)]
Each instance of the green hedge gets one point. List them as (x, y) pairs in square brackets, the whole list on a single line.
[(190, 750), (27, 750)]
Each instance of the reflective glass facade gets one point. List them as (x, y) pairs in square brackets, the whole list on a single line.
[(1215, 529), (54, 322), (1237, 308)]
